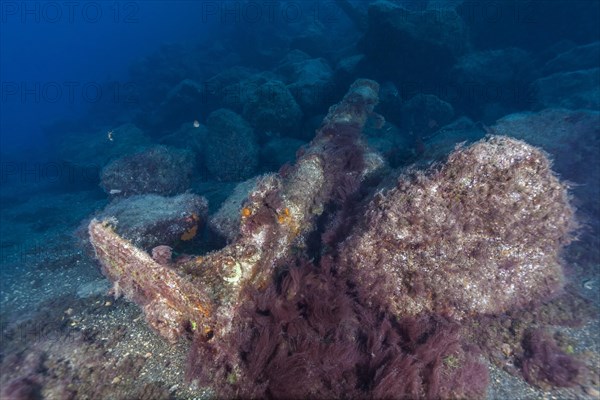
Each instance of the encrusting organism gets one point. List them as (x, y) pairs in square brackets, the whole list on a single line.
[(171, 301), (481, 233)]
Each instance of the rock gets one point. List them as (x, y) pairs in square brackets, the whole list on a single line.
[(236, 95), (390, 103), (159, 170), (184, 103), (272, 108), (231, 149), (347, 68), (478, 235), (309, 81), (395, 146), (157, 73), (534, 25), (492, 83), (424, 114), (150, 220), (424, 44), (188, 136), (499, 67), (574, 59), (227, 77), (572, 90), (444, 141), (286, 64), (224, 89), (226, 221)]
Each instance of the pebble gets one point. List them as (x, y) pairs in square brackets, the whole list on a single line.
[(506, 349), (591, 391)]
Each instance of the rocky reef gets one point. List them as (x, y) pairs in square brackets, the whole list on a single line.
[(353, 285)]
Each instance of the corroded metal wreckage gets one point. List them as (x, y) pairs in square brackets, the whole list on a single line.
[(481, 233), (201, 295)]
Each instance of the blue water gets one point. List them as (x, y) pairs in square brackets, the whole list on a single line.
[(54, 55), (88, 84)]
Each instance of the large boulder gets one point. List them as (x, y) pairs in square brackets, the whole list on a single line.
[(573, 90), (225, 223), (159, 170), (231, 149), (309, 81), (479, 235), (576, 58), (424, 114), (272, 108), (492, 83), (412, 45), (150, 220)]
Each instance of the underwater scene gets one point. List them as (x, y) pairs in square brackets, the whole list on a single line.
[(304, 199)]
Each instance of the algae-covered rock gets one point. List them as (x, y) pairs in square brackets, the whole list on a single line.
[(151, 220), (231, 150), (158, 170), (479, 235)]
